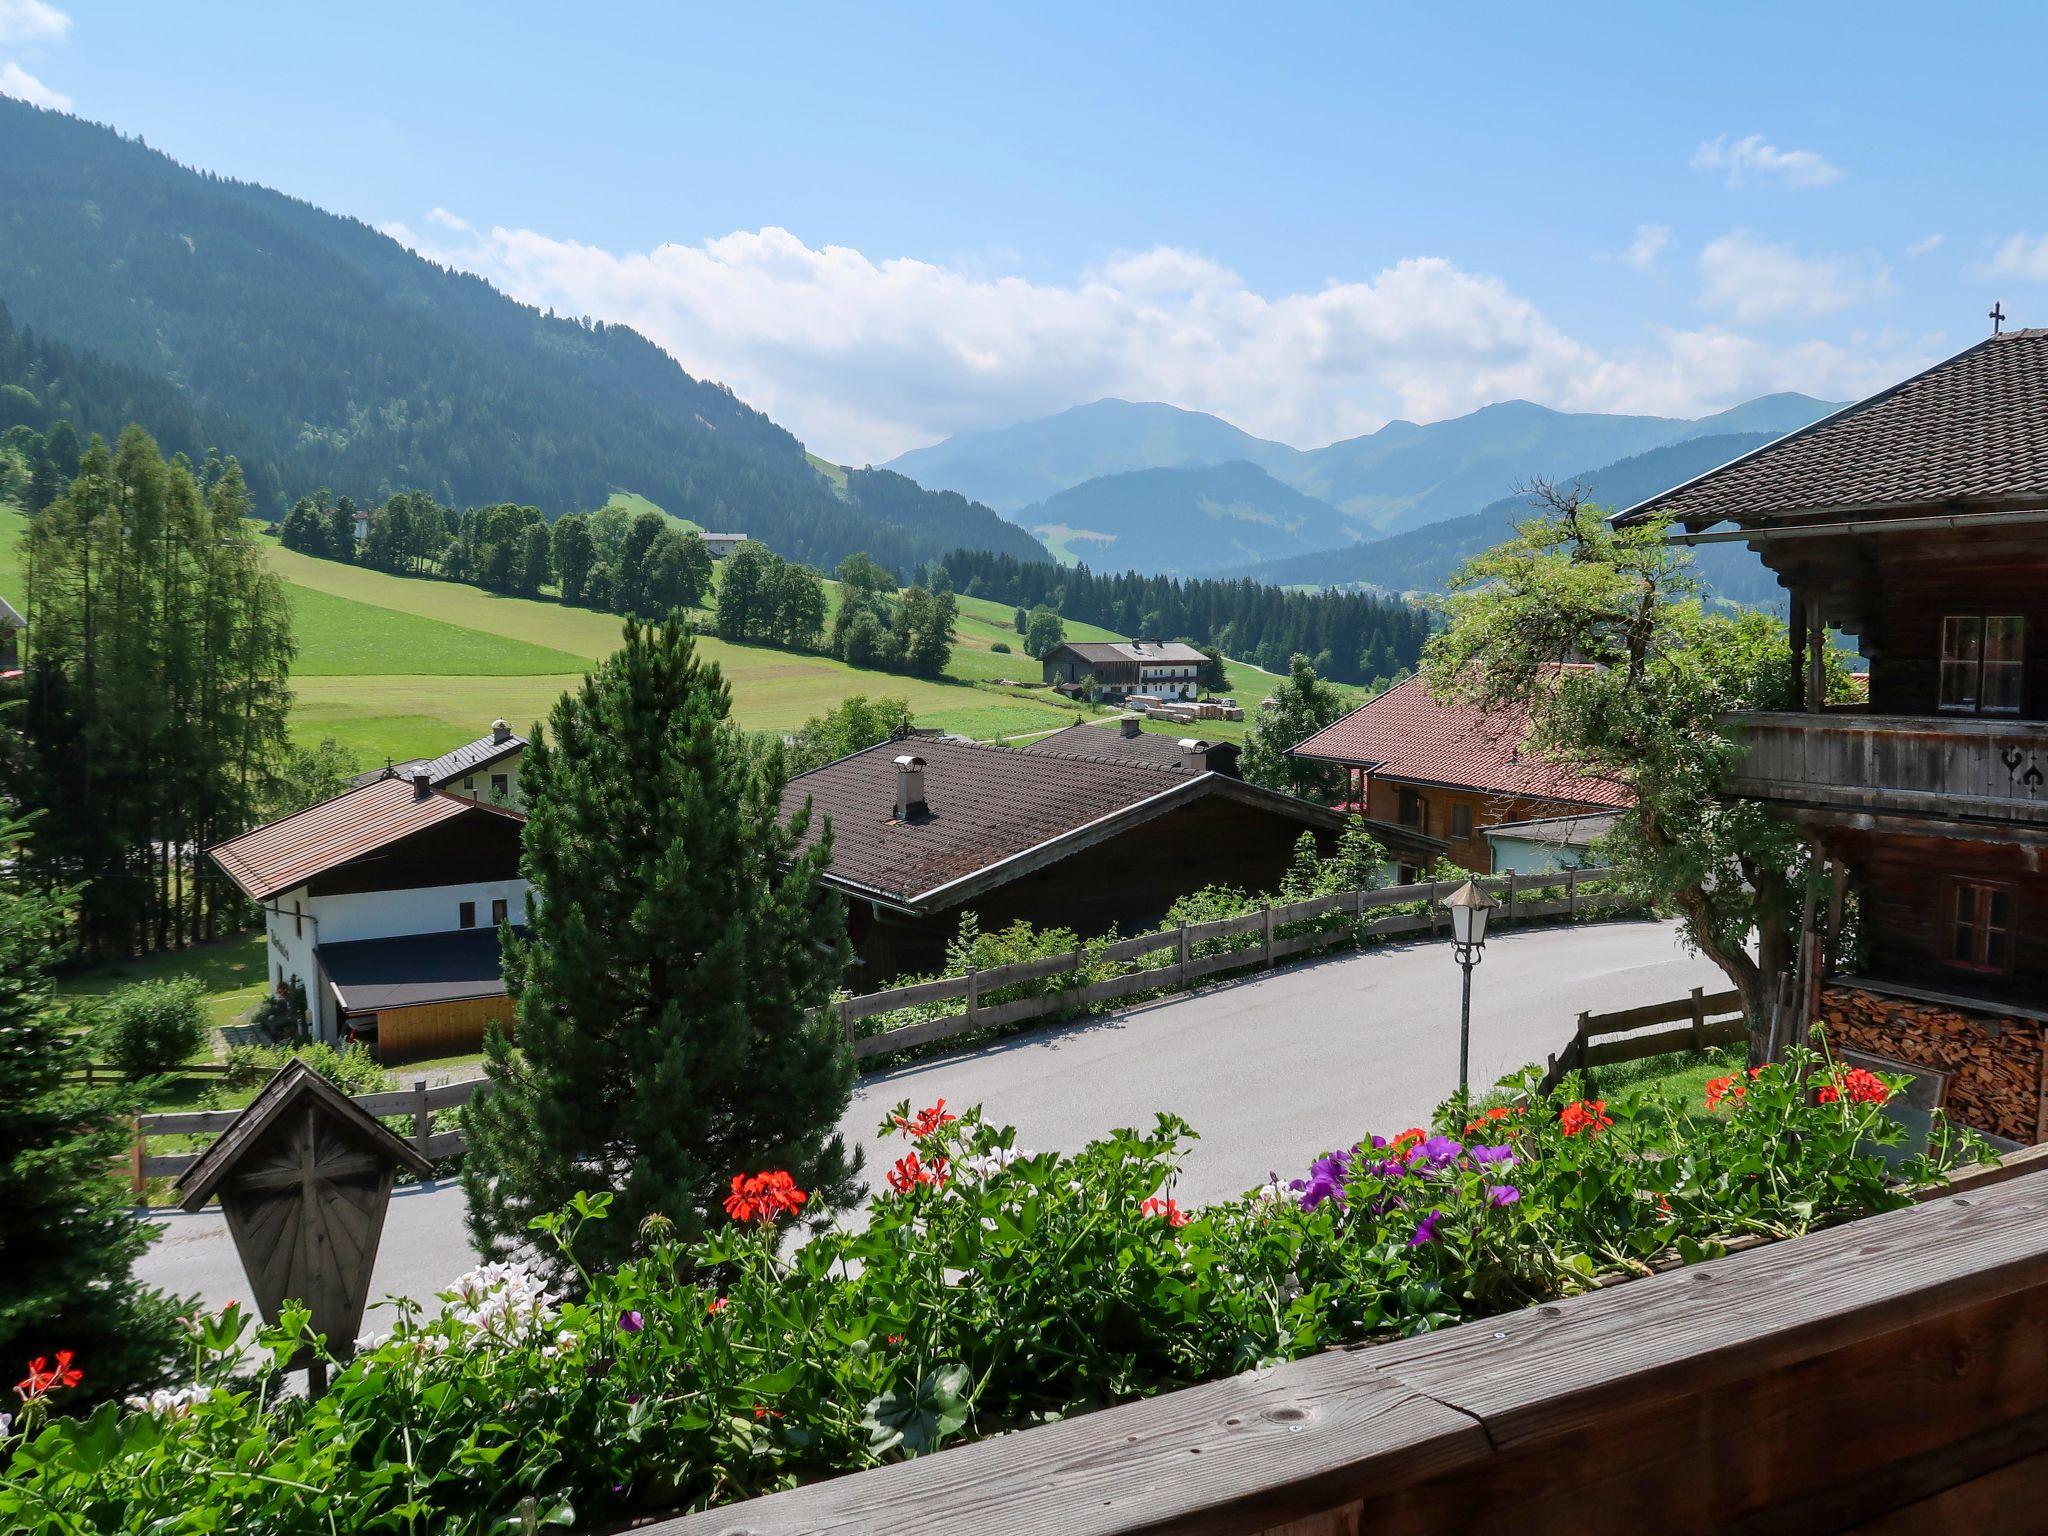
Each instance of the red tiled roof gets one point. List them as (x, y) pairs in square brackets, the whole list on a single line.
[(1405, 733), (275, 858), (1970, 432)]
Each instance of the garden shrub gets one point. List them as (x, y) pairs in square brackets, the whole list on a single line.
[(153, 1026), (990, 1288), (281, 1017), (1001, 647), (351, 1068)]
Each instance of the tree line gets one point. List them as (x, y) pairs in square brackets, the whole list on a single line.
[(1351, 637), (155, 696)]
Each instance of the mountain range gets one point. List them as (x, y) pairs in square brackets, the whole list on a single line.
[(1122, 483), (326, 354)]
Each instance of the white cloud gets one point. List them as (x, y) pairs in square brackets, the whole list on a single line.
[(1923, 246), (1753, 158), (447, 220), (864, 357), (23, 86), (26, 23), (2020, 256), (1752, 279), (1649, 243)]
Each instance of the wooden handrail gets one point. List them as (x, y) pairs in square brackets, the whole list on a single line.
[(1888, 1365)]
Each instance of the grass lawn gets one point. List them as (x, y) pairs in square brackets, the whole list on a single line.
[(231, 969), (633, 501), (1681, 1077)]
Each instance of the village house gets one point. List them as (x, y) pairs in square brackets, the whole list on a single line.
[(719, 545), (1127, 741), (1916, 523), (384, 902), (924, 832), (1117, 669), (1448, 771)]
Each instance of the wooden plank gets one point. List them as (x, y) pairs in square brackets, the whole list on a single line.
[(169, 1166), (1227, 927), (1659, 1013), (1301, 911), (1020, 971), (921, 1033), (445, 1144), (942, 990), (1140, 945), (1663, 1043)]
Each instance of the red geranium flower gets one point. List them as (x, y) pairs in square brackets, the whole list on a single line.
[(763, 1197), (1723, 1088), (911, 1171), (1173, 1215), (718, 1305), (42, 1376), (1589, 1115), (925, 1121)]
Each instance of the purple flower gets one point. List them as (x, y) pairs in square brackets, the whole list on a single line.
[(632, 1322), (1437, 1152), (1502, 1194), (1425, 1229), (1502, 1154), (1325, 1180)]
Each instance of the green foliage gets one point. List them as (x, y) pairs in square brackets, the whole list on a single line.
[(849, 726), (152, 1026), (351, 1068), (1043, 633), (1001, 648), (1303, 705), (678, 935), (762, 597), (311, 775), (1644, 716), (990, 1288), (281, 1017), (66, 1242)]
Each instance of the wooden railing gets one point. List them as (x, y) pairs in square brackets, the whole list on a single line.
[(1954, 767), (1709, 1018), (1167, 960), (416, 1103), (1883, 1376)]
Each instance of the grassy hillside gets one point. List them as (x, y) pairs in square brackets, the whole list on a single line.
[(633, 502)]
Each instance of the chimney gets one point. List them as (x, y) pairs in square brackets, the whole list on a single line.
[(500, 732), (422, 783), (910, 787), (1131, 726), (1194, 755)]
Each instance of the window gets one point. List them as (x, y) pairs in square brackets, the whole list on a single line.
[(465, 915), (501, 785), (498, 910), (298, 921), (469, 785), (1461, 821), (1983, 662), (1414, 810), (1980, 926)]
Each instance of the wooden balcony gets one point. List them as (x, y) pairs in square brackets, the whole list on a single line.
[(1938, 766)]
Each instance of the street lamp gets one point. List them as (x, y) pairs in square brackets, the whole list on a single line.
[(1469, 908)]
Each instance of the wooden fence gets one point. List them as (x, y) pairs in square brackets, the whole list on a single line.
[(106, 1072), (1708, 1018), (1167, 958), (417, 1103), (1883, 1376)]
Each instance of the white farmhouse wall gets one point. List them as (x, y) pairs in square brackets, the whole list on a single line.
[(477, 786)]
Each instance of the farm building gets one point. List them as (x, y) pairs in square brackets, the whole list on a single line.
[(722, 544), (1448, 771), (1916, 521), (485, 769), (1119, 668), (384, 904), (923, 833), (1547, 843), (1128, 742)]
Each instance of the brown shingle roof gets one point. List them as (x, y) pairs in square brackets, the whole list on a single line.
[(275, 858), (1971, 431), (1111, 745), (1147, 651), (1406, 733), (991, 807)]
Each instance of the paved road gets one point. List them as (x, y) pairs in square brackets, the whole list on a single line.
[(1271, 1071)]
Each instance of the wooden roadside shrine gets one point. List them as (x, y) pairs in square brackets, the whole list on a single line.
[(304, 1176)]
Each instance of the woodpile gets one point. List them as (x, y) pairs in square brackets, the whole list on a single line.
[(1994, 1064)]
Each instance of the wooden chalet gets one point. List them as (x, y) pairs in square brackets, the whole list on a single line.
[(1916, 523), (1449, 772), (1119, 669), (924, 831)]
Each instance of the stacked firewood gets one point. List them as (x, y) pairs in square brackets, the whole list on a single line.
[(1994, 1065)]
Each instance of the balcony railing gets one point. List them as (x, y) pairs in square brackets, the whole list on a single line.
[(1918, 765)]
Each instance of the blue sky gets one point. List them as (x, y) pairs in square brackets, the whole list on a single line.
[(887, 223)]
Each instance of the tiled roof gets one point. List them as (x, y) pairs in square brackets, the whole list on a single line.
[(1170, 651), (1113, 746), (990, 804), (1968, 432), (1406, 733), (275, 858)]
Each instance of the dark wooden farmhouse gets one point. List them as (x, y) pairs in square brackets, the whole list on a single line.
[(1127, 741), (1916, 522), (924, 831), (1448, 771), (1118, 669)]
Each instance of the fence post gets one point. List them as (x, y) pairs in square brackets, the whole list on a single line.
[(1509, 915), (1182, 978), (845, 1008), (973, 994), (1699, 1017), (1269, 934), (422, 1117), (135, 1181), (1571, 893), (1080, 964), (1435, 912)]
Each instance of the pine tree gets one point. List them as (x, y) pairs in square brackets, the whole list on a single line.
[(66, 1243), (676, 939)]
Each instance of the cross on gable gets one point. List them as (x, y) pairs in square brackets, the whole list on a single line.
[(1997, 317)]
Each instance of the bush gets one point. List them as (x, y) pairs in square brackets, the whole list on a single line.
[(990, 1288), (281, 1017), (351, 1068), (153, 1026), (1001, 647)]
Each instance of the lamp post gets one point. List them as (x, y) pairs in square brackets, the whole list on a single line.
[(1469, 908)]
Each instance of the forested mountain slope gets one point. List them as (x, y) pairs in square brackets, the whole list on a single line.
[(314, 342)]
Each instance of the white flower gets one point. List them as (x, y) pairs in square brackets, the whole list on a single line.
[(501, 1302), (6, 1425), (1270, 1193), (175, 1402), (986, 1165)]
